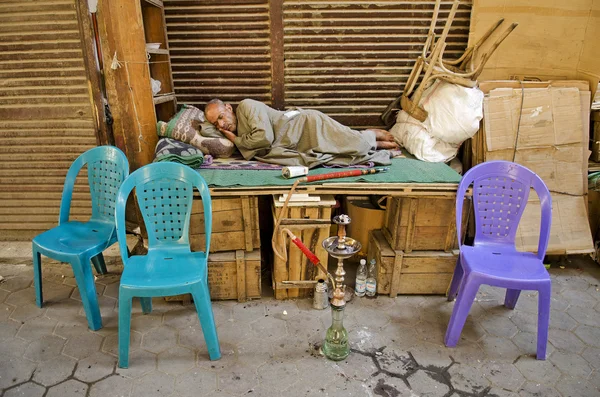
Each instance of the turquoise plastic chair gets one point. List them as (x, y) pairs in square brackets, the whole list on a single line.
[(164, 192), (76, 242)]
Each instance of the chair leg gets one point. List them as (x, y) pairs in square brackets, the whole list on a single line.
[(99, 264), (124, 328), (87, 290), (543, 320), (456, 280), (146, 305), (37, 277), (461, 310), (511, 298), (205, 314)]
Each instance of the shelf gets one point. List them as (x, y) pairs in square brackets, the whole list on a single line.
[(155, 3), (159, 51), (593, 166), (164, 98)]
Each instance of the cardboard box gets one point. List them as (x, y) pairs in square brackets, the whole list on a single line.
[(552, 142), (549, 116), (417, 272), (365, 216)]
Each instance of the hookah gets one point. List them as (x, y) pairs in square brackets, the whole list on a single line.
[(340, 247)]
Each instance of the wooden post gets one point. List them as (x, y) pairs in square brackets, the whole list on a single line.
[(277, 54), (93, 73), (128, 87)]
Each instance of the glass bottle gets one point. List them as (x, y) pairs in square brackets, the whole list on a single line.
[(361, 279), (336, 339), (371, 279)]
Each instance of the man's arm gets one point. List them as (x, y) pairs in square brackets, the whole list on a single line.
[(255, 133)]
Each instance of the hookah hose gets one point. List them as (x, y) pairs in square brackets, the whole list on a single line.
[(306, 179), (309, 254)]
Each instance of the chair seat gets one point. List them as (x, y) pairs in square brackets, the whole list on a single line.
[(164, 270), (73, 239), (503, 264)]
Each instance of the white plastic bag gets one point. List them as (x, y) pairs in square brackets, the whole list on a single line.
[(454, 113), (156, 86)]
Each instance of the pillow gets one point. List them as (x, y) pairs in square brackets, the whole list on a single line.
[(184, 127)]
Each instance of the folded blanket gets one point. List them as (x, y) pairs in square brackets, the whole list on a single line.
[(168, 149)]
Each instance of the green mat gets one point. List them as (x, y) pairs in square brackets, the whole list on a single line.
[(402, 170)]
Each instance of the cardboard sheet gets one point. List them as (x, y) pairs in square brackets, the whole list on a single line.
[(570, 232), (552, 142)]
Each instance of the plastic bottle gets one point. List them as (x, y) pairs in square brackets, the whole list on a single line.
[(371, 279), (361, 278)]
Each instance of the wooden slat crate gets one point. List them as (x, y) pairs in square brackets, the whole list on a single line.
[(231, 275), (417, 272), (422, 223), (310, 221), (235, 224)]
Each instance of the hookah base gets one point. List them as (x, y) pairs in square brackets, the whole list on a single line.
[(334, 354)]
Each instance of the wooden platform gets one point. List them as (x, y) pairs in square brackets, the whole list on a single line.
[(358, 188)]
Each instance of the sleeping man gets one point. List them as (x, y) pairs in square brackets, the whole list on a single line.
[(296, 137)]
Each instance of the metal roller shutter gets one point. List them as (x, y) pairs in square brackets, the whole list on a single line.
[(219, 49), (46, 118), (347, 58), (351, 58)]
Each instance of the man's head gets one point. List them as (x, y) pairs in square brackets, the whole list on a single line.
[(220, 115)]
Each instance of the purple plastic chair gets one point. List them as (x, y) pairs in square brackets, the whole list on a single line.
[(500, 192)]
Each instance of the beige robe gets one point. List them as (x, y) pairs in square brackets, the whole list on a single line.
[(301, 137)]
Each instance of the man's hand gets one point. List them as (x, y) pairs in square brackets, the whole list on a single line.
[(228, 134)]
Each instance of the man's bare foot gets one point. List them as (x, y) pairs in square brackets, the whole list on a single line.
[(387, 145), (382, 135)]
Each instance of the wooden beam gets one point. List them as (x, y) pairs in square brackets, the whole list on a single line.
[(128, 87), (86, 33), (277, 57)]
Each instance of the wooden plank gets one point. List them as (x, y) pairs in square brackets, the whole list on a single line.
[(425, 283), (410, 226), (247, 221), (157, 51), (241, 275), (429, 262), (163, 98), (128, 87), (155, 3), (94, 78), (396, 274)]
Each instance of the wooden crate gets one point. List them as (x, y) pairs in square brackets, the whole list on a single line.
[(417, 272), (234, 226), (231, 275), (310, 221), (422, 223)]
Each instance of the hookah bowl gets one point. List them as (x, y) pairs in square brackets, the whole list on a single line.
[(340, 247)]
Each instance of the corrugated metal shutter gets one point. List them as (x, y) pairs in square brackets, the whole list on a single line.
[(45, 114), (219, 49), (347, 58), (351, 58)]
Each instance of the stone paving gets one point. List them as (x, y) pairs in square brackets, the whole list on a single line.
[(271, 348)]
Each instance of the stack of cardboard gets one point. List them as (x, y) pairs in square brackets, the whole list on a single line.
[(543, 126)]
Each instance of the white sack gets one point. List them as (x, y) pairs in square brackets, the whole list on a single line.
[(454, 115)]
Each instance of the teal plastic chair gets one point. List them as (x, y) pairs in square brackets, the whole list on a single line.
[(76, 242), (164, 193)]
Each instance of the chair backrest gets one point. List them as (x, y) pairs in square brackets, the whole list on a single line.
[(164, 193), (107, 169), (500, 193)]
